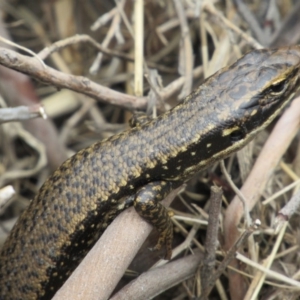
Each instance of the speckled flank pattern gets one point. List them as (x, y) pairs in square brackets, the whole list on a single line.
[(139, 166)]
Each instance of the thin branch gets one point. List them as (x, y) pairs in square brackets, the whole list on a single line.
[(249, 17), (33, 68), (22, 113), (84, 38), (83, 85), (155, 281), (6, 193), (226, 261), (287, 211), (138, 47), (211, 9), (186, 59), (238, 193), (211, 240), (114, 31), (15, 129)]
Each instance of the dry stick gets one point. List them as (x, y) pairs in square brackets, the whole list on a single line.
[(22, 113), (280, 138), (281, 192), (288, 171), (15, 129), (259, 278), (34, 23), (174, 86), (76, 118), (6, 193), (155, 84), (104, 19), (17, 90), (246, 13), (288, 33), (229, 257), (167, 50), (295, 285), (84, 38), (138, 47), (14, 45), (204, 43), (211, 9), (185, 233), (211, 240), (106, 263), (186, 51), (112, 32), (168, 25), (237, 192), (81, 38), (251, 242), (287, 211), (155, 281), (124, 18), (33, 67)]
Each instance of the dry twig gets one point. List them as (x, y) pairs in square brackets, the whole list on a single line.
[(21, 113), (211, 241)]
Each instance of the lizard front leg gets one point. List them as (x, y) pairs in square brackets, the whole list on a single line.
[(148, 206)]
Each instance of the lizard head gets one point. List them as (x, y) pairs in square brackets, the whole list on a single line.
[(259, 85)]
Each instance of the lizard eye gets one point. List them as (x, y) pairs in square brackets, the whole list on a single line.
[(278, 87), (236, 135)]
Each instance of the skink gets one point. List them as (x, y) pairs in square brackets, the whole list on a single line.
[(139, 167)]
